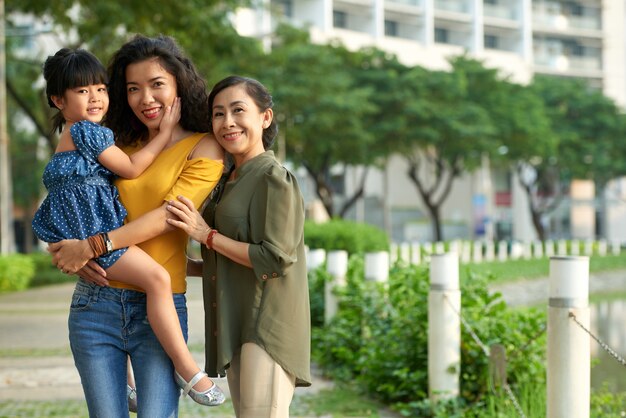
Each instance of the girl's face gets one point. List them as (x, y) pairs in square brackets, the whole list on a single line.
[(238, 123), (83, 103), (149, 89)]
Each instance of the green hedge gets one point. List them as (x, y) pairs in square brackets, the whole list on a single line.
[(16, 272), (336, 234)]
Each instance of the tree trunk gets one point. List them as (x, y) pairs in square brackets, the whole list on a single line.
[(356, 196)]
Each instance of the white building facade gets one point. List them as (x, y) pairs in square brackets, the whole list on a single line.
[(579, 38)]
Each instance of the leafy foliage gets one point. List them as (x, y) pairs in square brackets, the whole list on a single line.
[(396, 371), (16, 272), (351, 236)]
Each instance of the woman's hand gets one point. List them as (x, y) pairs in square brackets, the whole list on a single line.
[(189, 219), (70, 255), (94, 273)]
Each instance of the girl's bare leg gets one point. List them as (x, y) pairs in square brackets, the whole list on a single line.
[(129, 374), (137, 268)]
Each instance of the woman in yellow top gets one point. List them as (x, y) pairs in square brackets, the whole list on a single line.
[(256, 297), (107, 324)]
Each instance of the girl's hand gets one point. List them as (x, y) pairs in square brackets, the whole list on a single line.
[(189, 219), (94, 273), (171, 116), (70, 255)]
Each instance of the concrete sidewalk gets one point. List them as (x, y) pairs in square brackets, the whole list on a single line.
[(36, 361)]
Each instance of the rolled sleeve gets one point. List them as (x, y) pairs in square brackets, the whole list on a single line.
[(277, 224)]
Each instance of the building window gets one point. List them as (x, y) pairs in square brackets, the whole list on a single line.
[(491, 42), (284, 7), (391, 28), (441, 36), (340, 19)]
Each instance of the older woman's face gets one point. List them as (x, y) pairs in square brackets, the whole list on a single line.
[(149, 89), (238, 123)]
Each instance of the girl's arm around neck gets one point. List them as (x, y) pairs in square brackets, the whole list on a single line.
[(131, 166)]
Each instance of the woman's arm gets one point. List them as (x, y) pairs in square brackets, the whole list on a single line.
[(131, 166), (190, 220), (72, 254)]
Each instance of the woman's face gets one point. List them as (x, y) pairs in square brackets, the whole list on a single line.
[(238, 123), (149, 89)]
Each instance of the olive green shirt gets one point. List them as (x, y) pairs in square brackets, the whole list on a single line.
[(267, 304)]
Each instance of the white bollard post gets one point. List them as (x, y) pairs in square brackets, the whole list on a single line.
[(502, 251), (377, 266), (602, 248), (549, 248), (537, 249), (444, 327), (574, 247), (315, 258), (466, 252), (569, 356), (337, 266), (405, 253), (477, 252), (439, 248), (527, 251), (615, 247), (393, 253), (561, 247), (588, 247), (416, 253)]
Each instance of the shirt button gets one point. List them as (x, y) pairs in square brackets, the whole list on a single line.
[(264, 277), (213, 278), (214, 304), (274, 275)]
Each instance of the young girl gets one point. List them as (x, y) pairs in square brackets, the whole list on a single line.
[(83, 203)]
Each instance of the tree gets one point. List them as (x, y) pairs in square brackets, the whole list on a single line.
[(586, 125), (320, 107), (444, 133), (102, 27)]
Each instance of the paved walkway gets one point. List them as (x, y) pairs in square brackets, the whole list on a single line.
[(35, 322)]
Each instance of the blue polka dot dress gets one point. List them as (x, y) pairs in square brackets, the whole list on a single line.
[(82, 200)]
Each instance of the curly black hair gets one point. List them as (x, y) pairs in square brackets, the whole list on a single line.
[(191, 88)]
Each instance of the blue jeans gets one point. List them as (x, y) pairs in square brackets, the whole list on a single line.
[(106, 325)]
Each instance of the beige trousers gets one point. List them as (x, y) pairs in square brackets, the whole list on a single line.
[(259, 387)]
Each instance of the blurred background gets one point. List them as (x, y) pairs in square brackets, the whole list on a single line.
[(433, 120)]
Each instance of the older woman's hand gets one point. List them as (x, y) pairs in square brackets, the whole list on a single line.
[(94, 273), (189, 219), (70, 255)]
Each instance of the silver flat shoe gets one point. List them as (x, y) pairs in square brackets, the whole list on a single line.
[(211, 397), (131, 394)]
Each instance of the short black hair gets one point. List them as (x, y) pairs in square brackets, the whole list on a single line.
[(67, 69)]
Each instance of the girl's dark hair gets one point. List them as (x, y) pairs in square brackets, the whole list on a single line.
[(259, 93), (67, 69), (191, 88)]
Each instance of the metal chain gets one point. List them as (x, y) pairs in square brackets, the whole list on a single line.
[(485, 349), (599, 341)]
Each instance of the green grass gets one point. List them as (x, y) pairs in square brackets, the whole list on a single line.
[(513, 270), (335, 403)]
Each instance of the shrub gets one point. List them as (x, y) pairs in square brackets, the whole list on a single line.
[(351, 236), (16, 272), (379, 338), (45, 272)]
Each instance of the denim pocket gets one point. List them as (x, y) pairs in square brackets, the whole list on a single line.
[(80, 301)]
